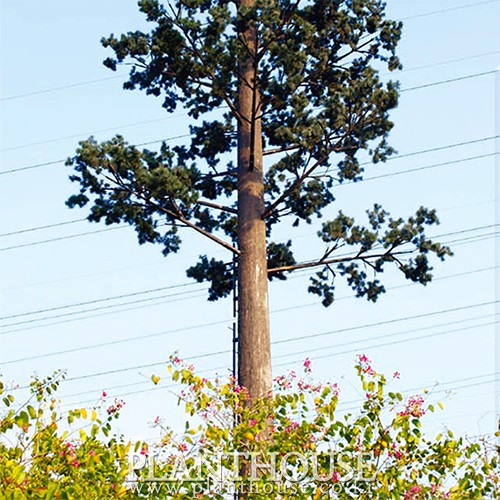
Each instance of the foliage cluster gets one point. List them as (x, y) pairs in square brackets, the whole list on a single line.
[(294, 443)]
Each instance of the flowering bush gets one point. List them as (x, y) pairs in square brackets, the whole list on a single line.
[(294, 443), (47, 454)]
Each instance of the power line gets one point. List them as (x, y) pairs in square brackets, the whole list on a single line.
[(82, 134), (148, 300), (62, 87), (386, 344), (195, 294), (38, 228), (427, 167), (55, 162), (122, 341), (180, 285), (439, 148), (365, 179), (451, 9), (405, 155), (442, 82), (115, 77), (100, 308), (310, 336), (60, 238), (396, 157), (29, 167), (149, 303), (448, 61), (211, 354), (95, 301), (385, 322), (345, 405)]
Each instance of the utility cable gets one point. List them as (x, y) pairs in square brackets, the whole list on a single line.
[(451, 80), (294, 339), (431, 84), (96, 301), (86, 134), (130, 308), (365, 179), (62, 87), (451, 9)]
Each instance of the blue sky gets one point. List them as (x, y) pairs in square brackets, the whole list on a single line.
[(55, 92)]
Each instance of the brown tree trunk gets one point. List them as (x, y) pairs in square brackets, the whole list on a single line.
[(254, 356)]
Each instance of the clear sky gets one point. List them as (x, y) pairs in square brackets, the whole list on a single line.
[(55, 92)]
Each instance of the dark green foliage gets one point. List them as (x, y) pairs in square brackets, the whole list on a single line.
[(322, 101), (386, 240), (218, 273), (279, 255)]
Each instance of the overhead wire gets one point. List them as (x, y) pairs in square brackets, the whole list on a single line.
[(39, 228), (365, 179), (54, 162), (342, 406), (395, 157), (115, 77), (450, 80), (190, 283), (228, 351), (108, 129), (116, 308), (61, 87), (276, 342), (96, 301), (107, 307), (449, 9), (390, 343), (151, 302), (431, 84)]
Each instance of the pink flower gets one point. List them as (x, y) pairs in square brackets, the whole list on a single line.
[(335, 389), (396, 375), (283, 382), (104, 394), (144, 450), (157, 420), (413, 493), (303, 385), (252, 422), (293, 425), (414, 407), (114, 408), (307, 365), (91, 452), (395, 452), (335, 477), (364, 364)]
